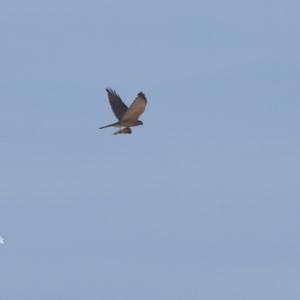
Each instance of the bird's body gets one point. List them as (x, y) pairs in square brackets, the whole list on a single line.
[(125, 123), (128, 117)]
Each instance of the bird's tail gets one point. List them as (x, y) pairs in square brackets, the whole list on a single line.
[(110, 125)]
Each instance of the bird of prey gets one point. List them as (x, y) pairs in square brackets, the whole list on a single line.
[(127, 117)]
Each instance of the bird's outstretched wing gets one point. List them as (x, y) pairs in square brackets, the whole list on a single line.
[(136, 108), (118, 106)]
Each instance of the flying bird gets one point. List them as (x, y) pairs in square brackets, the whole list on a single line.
[(127, 117)]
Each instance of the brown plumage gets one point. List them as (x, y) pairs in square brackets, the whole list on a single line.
[(127, 117)]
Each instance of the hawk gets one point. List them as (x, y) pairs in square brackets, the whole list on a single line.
[(127, 117)]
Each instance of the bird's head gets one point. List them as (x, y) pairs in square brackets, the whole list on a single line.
[(139, 122)]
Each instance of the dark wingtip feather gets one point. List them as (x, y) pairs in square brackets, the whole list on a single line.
[(110, 91), (142, 95)]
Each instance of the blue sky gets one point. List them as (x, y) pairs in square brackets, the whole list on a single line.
[(202, 202)]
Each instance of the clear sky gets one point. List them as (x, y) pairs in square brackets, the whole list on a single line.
[(201, 202)]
